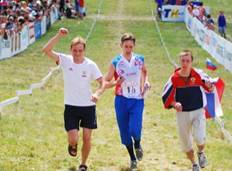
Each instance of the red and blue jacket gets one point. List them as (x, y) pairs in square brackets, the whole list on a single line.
[(189, 91)]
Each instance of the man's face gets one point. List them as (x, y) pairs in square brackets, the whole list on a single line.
[(78, 50), (186, 61), (127, 47)]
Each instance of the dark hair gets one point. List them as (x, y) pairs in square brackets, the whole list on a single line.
[(128, 36)]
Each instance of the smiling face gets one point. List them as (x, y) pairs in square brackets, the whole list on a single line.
[(78, 50)]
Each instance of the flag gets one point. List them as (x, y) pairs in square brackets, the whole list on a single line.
[(210, 65), (214, 108)]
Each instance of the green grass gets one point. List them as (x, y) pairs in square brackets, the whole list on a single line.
[(32, 136)]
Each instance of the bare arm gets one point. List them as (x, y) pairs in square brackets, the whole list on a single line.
[(145, 73), (99, 91), (145, 85), (48, 48), (108, 82)]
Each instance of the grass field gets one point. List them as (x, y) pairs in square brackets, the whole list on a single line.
[(32, 137)]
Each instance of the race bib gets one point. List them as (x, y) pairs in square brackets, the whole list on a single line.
[(130, 89)]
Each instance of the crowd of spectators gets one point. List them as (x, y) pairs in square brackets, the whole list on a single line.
[(14, 14), (199, 11), (75, 10)]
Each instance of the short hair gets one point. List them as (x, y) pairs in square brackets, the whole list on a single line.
[(185, 53), (128, 36), (78, 40)]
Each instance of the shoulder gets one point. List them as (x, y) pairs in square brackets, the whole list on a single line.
[(64, 57), (175, 75), (197, 71), (115, 60), (139, 57), (89, 62)]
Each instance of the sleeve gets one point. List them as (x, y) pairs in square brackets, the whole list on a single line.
[(96, 73), (115, 61), (168, 95), (141, 57), (63, 59)]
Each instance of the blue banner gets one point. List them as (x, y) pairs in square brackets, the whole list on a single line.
[(37, 27)]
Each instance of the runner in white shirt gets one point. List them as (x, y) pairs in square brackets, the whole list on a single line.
[(80, 107)]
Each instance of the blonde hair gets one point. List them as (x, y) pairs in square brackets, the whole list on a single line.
[(128, 36), (186, 52), (78, 40)]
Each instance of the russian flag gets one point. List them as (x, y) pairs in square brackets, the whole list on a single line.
[(210, 65), (214, 98)]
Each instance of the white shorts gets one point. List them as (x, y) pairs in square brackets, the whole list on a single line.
[(191, 125)]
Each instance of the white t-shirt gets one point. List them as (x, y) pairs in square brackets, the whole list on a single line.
[(77, 80)]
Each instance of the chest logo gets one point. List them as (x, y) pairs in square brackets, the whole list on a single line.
[(84, 74), (193, 80)]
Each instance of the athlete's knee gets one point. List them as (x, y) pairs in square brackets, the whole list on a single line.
[(72, 137), (199, 139), (72, 141), (86, 139), (135, 131)]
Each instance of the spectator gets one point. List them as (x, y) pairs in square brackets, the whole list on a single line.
[(159, 7), (14, 14), (69, 12), (172, 2), (77, 7), (190, 7), (178, 2), (62, 7), (82, 8), (196, 11), (210, 22), (184, 2), (222, 24), (202, 12)]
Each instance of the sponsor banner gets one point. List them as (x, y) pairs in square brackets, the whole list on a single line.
[(54, 15), (24, 37), (31, 32), (15, 43), (37, 26), (5, 48), (214, 44), (173, 13), (43, 25)]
